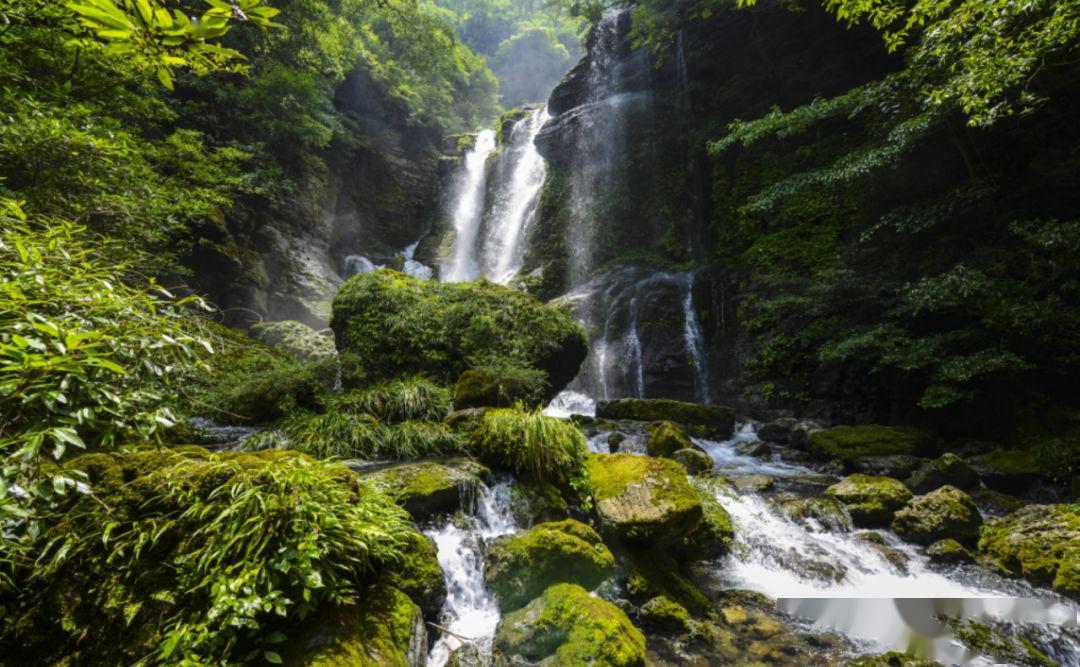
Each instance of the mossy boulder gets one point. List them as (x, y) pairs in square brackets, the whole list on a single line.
[(419, 574), (714, 532), (946, 469), (1040, 543), (819, 513), (996, 503), (897, 466), (848, 443), (1008, 470), (387, 324), (777, 431), (296, 338), (871, 501), (892, 659), (694, 460), (480, 388), (520, 567), (949, 551), (427, 488), (945, 512), (567, 626), (639, 498), (383, 629), (664, 615), (665, 438), (710, 421)]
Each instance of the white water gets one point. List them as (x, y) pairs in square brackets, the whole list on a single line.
[(470, 610), (569, 402), (695, 340), (358, 264), (468, 211), (413, 267)]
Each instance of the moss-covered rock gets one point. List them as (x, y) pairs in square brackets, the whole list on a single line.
[(848, 443), (387, 324), (639, 498), (946, 469), (714, 532), (694, 460), (520, 567), (1008, 470), (892, 659), (896, 558), (665, 438), (777, 431), (871, 501), (945, 512), (897, 466), (384, 629), (419, 574), (647, 573), (1040, 543), (820, 513), (478, 389), (567, 626), (296, 338), (949, 551), (664, 614), (1004, 645), (711, 421), (426, 488), (996, 503), (755, 483)]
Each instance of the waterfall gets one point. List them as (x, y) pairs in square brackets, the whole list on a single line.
[(412, 267), (470, 610), (695, 341), (468, 211), (358, 264)]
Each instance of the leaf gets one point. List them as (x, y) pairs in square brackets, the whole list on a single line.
[(272, 658), (275, 638)]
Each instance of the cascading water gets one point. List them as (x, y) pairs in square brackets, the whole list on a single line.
[(468, 211), (695, 341), (470, 611)]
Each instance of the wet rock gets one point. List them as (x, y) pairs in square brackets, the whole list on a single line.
[(897, 466), (711, 421), (756, 483), (824, 513), (949, 551), (755, 448), (996, 503), (1011, 471), (777, 430), (665, 438), (427, 488), (891, 555), (614, 440), (946, 469), (694, 460), (871, 501), (946, 512), (714, 533), (538, 503), (296, 338), (520, 567), (466, 656), (893, 659), (481, 388), (1040, 543), (848, 443), (643, 499), (567, 626), (664, 615), (801, 433), (419, 575)]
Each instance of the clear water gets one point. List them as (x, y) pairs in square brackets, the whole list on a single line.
[(468, 211)]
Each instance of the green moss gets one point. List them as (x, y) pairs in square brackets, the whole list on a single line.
[(665, 438), (946, 512), (499, 385), (871, 501), (529, 442), (418, 574), (949, 551), (296, 338), (714, 533), (567, 626), (851, 442), (1040, 543), (425, 488), (395, 401), (1010, 462), (664, 614), (650, 573), (694, 460), (893, 659), (987, 640), (642, 498), (711, 421), (522, 566)]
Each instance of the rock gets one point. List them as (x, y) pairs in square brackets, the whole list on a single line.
[(871, 501), (567, 626), (1010, 471), (996, 503), (465, 656), (823, 513), (777, 430), (946, 469), (755, 448), (614, 440), (892, 659), (946, 512), (756, 483), (483, 388), (891, 555), (387, 324), (384, 629), (949, 551), (1040, 543), (537, 503), (848, 443), (714, 533), (465, 420), (897, 466), (694, 460), (419, 575), (427, 488), (665, 438), (641, 498), (520, 567), (801, 431), (296, 338), (711, 421), (664, 615)]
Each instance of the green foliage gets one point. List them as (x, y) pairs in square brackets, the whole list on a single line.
[(530, 442), (358, 436), (395, 401), (200, 558)]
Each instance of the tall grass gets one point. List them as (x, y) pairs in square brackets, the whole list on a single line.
[(352, 436), (407, 399), (529, 442)]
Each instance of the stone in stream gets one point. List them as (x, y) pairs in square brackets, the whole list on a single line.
[(427, 488), (946, 469), (714, 532), (665, 438), (1011, 471), (778, 430), (419, 574), (707, 421), (949, 550), (663, 614), (756, 483), (567, 626), (520, 567), (694, 460), (892, 659), (946, 512), (848, 443), (897, 466), (827, 513), (871, 501), (891, 555), (755, 448), (801, 432), (1038, 542)]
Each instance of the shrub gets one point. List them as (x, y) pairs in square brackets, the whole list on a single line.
[(530, 442), (396, 401), (344, 435)]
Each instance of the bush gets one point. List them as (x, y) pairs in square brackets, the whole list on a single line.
[(396, 401), (530, 442), (344, 435), (201, 557)]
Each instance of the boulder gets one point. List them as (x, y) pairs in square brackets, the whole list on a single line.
[(755, 448), (665, 438), (756, 483), (896, 558), (996, 503), (949, 551), (946, 469), (714, 533), (296, 338), (801, 431), (848, 443), (567, 626), (427, 488), (820, 513), (662, 614), (893, 659), (480, 388), (1040, 543), (639, 498), (387, 324), (897, 466), (419, 575), (708, 421), (694, 460), (946, 512), (520, 567), (871, 501), (777, 430), (1010, 470)]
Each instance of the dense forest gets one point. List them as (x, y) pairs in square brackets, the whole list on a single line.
[(539, 332)]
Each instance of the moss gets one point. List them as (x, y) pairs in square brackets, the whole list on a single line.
[(893, 659), (1040, 543), (642, 498), (296, 338), (419, 574), (694, 461), (714, 533), (949, 551), (547, 449), (664, 614), (871, 501), (522, 566), (987, 640), (426, 488), (851, 442), (387, 324), (567, 626), (946, 469), (665, 438), (946, 512), (711, 421), (827, 513), (498, 385), (649, 573), (1008, 470)]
